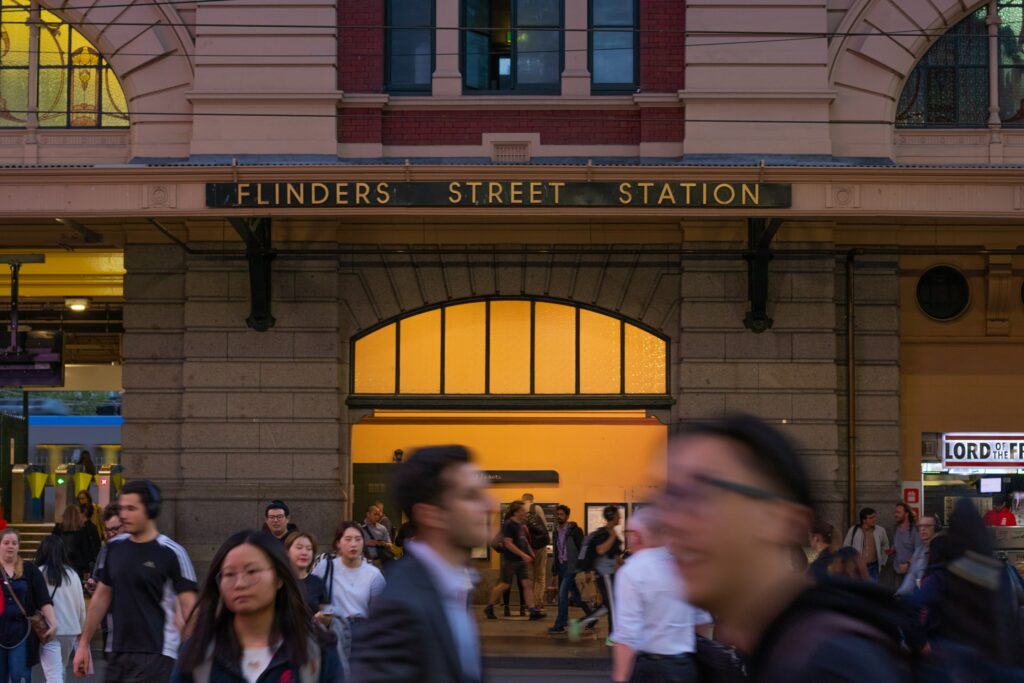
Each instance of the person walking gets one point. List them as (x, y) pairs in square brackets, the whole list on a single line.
[(25, 594), (537, 530), (609, 547), (376, 539), (516, 561), (905, 541), (420, 629), (80, 543), (870, 540), (737, 499), (300, 546), (655, 634), (821, 544), (927, 528), (93, 512), (251, 622), (566, 544), (277, 520), (849, 563), (141, 576), (65, 590), (384, 520)]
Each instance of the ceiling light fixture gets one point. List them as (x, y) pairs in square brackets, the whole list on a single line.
[(77, 304)]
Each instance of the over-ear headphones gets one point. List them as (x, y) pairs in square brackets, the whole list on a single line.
[(155, 500), (609, 512)]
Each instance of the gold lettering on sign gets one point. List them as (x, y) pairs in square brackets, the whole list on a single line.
[(689, 189), (724, 202), (515, 192), (625, 195), (362, 193), (666, 195), (243, 192), (298, 191), (473, 187), (753, 193), (341, 194), (454, 193), (277, 194), (494, 191), (322, 198), (384, 193), (557, 187), (536, 192), (259, 196), (647, 190)]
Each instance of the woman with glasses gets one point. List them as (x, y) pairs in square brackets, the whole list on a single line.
[(252, 623), (65, 589)]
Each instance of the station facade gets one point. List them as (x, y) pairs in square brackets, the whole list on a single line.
[(553, 230)]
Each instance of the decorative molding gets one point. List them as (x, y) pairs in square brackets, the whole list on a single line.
[(766, 95), (842, 197), (160, 197), (12, 139), (504, 102), (997, 310), (244, 95), (940, 139), (71, 139)]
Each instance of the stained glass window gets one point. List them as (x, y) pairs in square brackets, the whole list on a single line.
[(76, 86), (950, 85)]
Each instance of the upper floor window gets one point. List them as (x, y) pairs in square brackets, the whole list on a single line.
[(76, 86), (512, 45), (613, 45), (410, 45), (950, 85)]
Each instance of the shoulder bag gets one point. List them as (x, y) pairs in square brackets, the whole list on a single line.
[(37, 623)]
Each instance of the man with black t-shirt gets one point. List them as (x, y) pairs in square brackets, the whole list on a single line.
[(516, 561), (140, 575)]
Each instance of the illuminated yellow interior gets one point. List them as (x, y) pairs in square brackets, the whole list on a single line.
[(64, 274), (487, 349)]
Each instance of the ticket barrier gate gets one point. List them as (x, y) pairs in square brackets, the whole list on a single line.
[(63, 489), (25, 506), (108, 481)]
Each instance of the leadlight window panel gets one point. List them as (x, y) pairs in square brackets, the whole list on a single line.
[(950, 85), (1011, 62), (512, 46), (613, 53), (410, 41), (76, 86)]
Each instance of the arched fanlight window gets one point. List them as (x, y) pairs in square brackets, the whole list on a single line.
[(76, 87), (950, 85), (511, 347)]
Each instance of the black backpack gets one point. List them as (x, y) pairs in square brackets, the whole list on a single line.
[(538, 530), (588, 553)]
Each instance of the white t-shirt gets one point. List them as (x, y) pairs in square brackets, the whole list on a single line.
[(354, 589), (68, 603), (255, 661)]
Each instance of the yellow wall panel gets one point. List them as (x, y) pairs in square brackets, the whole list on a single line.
[(599, 353), (465, 348), (420, 354), (555, 349), (375, 362), (510, 347), (645, 362)]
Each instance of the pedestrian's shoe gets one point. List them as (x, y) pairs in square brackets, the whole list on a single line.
[(574, 630), (536, 614), (591, 624), (556, 631), (507, 612), (489, 612)]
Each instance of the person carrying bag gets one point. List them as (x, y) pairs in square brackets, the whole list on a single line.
[(28, 617)]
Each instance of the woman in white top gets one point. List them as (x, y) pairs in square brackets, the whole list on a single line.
[(65, 589)]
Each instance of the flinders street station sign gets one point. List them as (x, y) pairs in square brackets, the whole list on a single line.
[(500, 193)]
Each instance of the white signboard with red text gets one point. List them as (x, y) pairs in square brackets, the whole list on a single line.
[(983, 449)]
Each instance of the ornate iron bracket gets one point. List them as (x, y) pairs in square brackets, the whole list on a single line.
[(760, 232), (256, 234)]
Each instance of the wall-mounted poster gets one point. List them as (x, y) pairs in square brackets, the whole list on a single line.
[(595, 518)]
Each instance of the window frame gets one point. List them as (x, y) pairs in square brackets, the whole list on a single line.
[(613, 88), (514, 90), (388, 42)]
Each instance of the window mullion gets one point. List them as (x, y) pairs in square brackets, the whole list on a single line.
[(992, 21), (32, 116)]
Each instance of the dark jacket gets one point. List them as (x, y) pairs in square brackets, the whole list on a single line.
[(406, 638), (323, 667), (819, 568), (573, 541), (838, 630)]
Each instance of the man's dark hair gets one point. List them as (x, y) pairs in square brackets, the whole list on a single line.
[(513, 507), (865, 513), (422, 477), (766, 451), (148, 493), (112, 510), (565, 509), (823, 529), (277, 505), (909, 512), (609, 512), (1000, 500)]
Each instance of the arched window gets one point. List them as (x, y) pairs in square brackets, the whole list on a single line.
[(950, 85), (75, 86), (526, 348)]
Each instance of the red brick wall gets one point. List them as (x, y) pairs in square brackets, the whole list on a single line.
[(360, 125), (662, 124), (556, 127), (662, 42), (361, 47)]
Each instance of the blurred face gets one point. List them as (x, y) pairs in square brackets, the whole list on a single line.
[(561, 517), (248, 582), (82, 498), (301, 553), (520, 514), (900, 515), (374, 514), (350, 545), (708, 526), (277, 522), (870, 521), (112, 527), (614, 521), (133, 513), (466, 507), (82, 518), (926, 528), (9, 548)]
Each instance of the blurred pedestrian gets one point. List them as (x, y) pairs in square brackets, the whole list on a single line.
[(655, 633), (300, 546), (849, 563), (384, 520), (516, 561), (870, 540), (92, 511), (376, 538), (1000, 514), (821, 544), (86, 464), (25, 594), (65, 590), (421, 630), (142, 576), (537, 529), (251, 622), (608, 546), (81, 542), (905, 541), (927, 528), (278, 520), (566, 542), (736, 500)]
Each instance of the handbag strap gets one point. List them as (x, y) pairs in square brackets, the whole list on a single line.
[(10, 588)]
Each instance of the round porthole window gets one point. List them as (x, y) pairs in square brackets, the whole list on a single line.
[(943, 293)]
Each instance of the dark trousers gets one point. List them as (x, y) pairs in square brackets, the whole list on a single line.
[(673, 669), (135, 667)]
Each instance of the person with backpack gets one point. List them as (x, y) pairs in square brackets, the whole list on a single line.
[(516, 561), (871, 541), (540, 538), (600, 553), (567, 541)]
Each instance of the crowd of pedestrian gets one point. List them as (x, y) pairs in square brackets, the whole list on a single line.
[(711, 583)]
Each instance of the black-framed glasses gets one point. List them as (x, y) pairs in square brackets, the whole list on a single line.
[(113, 530)]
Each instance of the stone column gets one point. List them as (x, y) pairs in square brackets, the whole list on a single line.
[(576, 76), (447, 79)]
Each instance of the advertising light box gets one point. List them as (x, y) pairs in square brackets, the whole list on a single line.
[(983, 450)]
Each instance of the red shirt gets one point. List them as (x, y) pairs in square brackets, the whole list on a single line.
[(1000, 517)]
